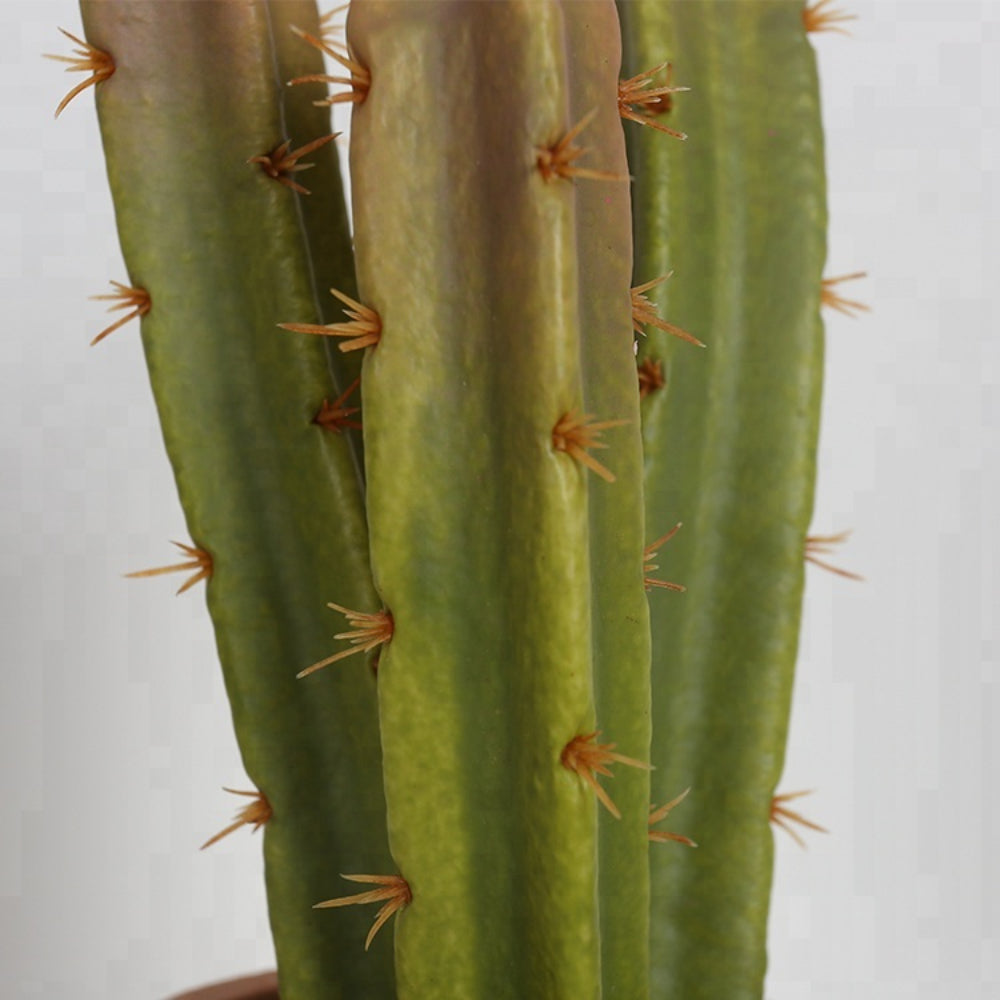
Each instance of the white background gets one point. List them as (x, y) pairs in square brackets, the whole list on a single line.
[(114, 733)]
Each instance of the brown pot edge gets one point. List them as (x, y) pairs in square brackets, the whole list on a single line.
[(262, 986)]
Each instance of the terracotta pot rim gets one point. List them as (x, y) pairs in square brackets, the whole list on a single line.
[(262, 986)]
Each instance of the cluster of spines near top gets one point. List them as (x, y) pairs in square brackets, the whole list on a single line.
[(575, 434)]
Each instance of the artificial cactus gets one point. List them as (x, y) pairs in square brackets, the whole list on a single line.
[(491, 564)]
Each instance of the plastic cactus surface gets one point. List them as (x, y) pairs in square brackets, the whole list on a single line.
[(427, 465)]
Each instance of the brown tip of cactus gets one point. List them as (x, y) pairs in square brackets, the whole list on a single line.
[(817, 545), (638, 104), (86, 59), (782, 816), (336, 416), (394, 893), (574, 434), (124, 297), (279, 163), (657, 815), (199, 561), (557, 161), (649, 554), (829, 296), (644, 313), (588, 758), (651, 377), (368, 631), (821, 16), (359, 81), (364, 328), (257, 813)]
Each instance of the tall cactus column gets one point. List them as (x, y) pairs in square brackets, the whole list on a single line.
[(738, 211), (488, 503), (220, 245)]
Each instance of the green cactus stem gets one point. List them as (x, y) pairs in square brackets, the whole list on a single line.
[(492, 238), (738, 210), (201, 133)]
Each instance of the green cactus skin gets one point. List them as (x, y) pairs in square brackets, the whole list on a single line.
[(739, 211), (489, 547), (224, 253)]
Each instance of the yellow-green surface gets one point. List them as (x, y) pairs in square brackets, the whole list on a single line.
[(738, 211), (198, 89), (482, 535)]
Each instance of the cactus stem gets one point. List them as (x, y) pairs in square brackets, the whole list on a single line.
[(821, 16), (658, 815), (574, 434), (279, 163), (200, 561), (335, 416), (649, 554), (136, 299), (651, 377), (360, 80), (395, 893), (830, 297), (86, 59), (256, 813), (556, 161), (632, 93), (782, 816), (588, 758), (369, 631), (824, 545), (365, 326), (644, 313)]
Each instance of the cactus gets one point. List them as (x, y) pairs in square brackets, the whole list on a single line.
[(434, 447)]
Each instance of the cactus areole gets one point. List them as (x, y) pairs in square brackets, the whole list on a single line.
[(426, 477)]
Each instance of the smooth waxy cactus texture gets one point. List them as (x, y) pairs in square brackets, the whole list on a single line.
[(500, 269), (226, 252), (739, 212)]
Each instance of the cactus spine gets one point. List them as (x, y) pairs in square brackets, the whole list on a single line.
[(487, 556)]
